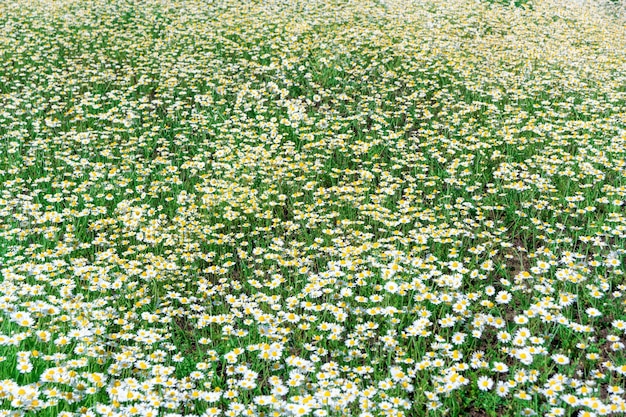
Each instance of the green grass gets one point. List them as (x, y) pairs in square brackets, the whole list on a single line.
[(312, 208)]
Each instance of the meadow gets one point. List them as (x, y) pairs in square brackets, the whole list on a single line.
[(312, 208)]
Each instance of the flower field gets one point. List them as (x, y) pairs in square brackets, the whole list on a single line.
[(312, 208)]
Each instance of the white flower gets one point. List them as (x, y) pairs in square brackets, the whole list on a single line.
[(391, 287), (485, 383), (524, 356), (502, 389), (503, 297), (500, 367), (560, 359)]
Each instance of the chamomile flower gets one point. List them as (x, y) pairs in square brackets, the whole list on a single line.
[(560, 359), (485, 383)]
